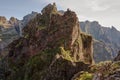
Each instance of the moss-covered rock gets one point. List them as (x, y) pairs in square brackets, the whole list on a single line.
[(83, 76)]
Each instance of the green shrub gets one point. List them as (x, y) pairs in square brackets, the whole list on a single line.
[(66, 54), (85, 76)]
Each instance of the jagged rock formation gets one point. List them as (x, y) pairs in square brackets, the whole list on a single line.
[(27, 18), (52, 48), (12, 29), (13, 21), (22, 23), (8, 24), (108, 40), (2, 19)]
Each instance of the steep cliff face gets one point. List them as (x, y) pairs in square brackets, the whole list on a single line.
[(52, 48), (117, 58), (107, 44)]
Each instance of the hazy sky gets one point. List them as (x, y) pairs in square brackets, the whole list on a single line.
[(107, 12)]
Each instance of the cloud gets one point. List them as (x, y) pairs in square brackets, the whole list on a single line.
[(95, 6)]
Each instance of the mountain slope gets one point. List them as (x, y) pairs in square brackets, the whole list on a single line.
[(11, 30), (52, 48), (108, 40)]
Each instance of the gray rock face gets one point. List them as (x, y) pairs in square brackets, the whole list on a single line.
[(108, 40), (28, 17), (7, 32), (21, 23), (102, 51)]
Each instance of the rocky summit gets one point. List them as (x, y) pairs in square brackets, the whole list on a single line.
[(52, 48), (8, 23)]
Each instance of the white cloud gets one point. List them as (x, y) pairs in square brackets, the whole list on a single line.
[(95, 6)]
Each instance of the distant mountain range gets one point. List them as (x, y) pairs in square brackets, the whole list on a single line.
[(12, 29), (106, 40)]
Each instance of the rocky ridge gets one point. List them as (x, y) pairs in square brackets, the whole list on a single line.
[(12, 29), (52, 48)]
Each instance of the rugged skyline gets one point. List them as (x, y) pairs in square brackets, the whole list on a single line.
[(105, 11)]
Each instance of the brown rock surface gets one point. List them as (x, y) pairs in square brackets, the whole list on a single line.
[(52, 42)]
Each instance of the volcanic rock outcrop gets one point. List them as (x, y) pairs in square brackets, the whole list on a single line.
[(52, 48)]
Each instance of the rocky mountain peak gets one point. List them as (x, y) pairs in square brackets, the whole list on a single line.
[(3, 19), (53, 40), (113, 28), (13, 21), (49, 9), (8, 23)]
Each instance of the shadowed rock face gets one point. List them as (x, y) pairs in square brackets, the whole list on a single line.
[(50, 43), (117, 58)]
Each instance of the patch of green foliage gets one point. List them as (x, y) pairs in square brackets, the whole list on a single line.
[(41, 27), (66, 54), (85, 76), (105, 68)]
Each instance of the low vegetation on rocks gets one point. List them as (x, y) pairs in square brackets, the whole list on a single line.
[(54, 48)]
